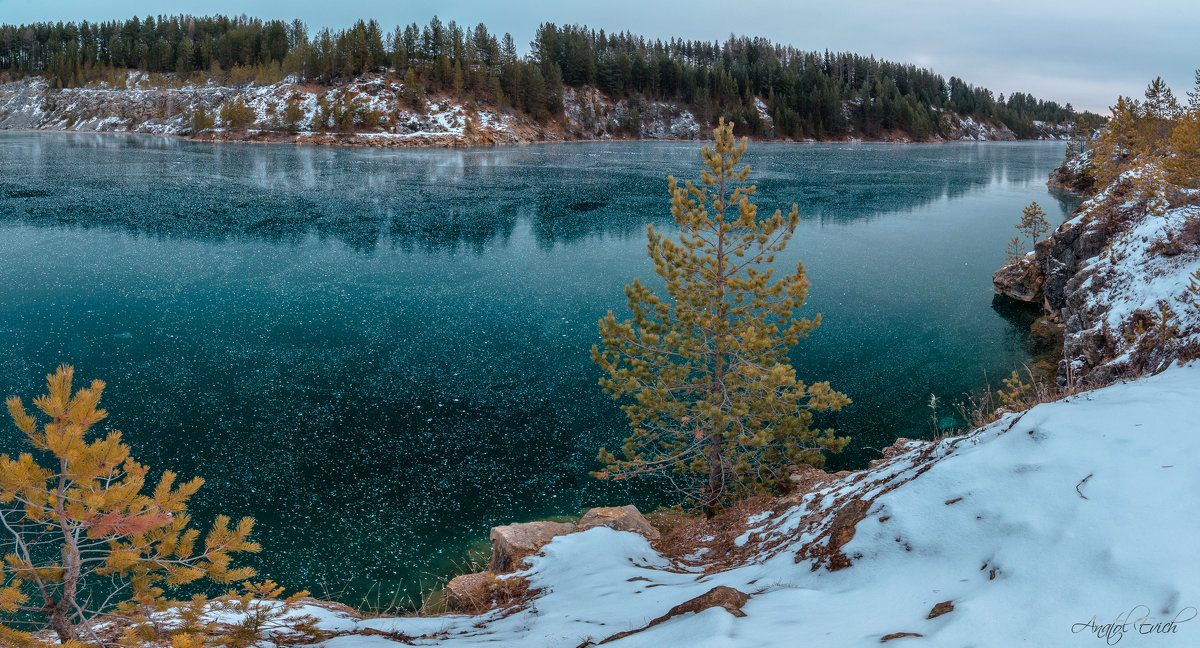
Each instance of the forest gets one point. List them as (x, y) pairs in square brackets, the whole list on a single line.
[(805, 93)]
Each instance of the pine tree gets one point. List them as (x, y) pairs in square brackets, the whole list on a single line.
[(77, 523), (1033, 223), (235, 113), (412, 92), (1014, 249), (1183, 163), (1194, 96), (293, 113), (717, 407)]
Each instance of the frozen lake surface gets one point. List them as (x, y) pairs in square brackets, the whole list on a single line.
[(380, 354)]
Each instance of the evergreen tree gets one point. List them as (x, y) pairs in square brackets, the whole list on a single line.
[(717, 407), (1033, 223), (76, 518), (412, 92), (1183, 162), (235, 113)]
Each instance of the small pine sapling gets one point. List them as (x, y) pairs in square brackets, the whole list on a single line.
[(718, 409), (1033, 223)]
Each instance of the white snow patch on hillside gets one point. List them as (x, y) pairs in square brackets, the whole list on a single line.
[(1038, 528)]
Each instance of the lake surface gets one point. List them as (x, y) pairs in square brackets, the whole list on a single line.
[(380, 354)]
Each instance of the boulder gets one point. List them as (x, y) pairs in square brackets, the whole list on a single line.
[(619, 518), (470, 592), (1020, 280), (513, 543)]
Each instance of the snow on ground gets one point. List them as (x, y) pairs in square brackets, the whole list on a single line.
[(1149, 265), (168, 108), (1069, 524), (1135, 274)]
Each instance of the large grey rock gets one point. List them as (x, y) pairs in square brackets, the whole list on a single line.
[(619, 518), (513, 543)]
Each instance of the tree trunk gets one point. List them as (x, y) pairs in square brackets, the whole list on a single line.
[(60, 621), (716, 475), (61, 610)]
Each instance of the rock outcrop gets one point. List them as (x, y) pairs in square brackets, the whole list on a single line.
[(470, 592), (1117, 275), (513, 543), (619, 518), (1020, 280)]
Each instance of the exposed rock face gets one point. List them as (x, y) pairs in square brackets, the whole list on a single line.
[(1106, 273), (721, 596), (619, 518), (513, 543), (727, 598), (945, 607), (1020, 280), (166, 105), (956, 127), (1061, 256)]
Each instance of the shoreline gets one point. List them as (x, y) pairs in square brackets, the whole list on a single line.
[(298, 140)]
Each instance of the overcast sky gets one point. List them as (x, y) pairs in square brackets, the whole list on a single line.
[(1085, 52)]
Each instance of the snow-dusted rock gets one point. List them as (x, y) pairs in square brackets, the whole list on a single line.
[(619, 518), (1020, 280)]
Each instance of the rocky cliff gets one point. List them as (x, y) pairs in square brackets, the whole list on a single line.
[(1120, 275)]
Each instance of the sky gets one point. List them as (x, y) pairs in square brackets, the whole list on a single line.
[(1083, 52)]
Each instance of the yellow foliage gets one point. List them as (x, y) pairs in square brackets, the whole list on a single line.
[(1183, 164), (86, 497)]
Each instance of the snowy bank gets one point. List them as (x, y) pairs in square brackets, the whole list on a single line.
[(1065, 525)]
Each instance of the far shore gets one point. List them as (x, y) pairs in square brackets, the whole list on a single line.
[(452, 141)]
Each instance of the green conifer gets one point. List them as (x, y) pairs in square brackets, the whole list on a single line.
[(1033, 223), (717, 407)]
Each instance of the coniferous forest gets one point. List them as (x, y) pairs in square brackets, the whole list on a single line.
[(805, 93)]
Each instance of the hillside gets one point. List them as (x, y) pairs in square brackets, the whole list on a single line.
[(378, 114), (417, 85)]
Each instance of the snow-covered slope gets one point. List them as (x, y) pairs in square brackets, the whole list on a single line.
[(1042, 529), (166, 105)]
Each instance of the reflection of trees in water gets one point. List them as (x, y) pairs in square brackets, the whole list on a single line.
[(459, 199)]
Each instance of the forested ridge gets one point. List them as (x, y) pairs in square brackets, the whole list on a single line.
[(803, 93)]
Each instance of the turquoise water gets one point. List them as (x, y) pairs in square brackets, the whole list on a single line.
[(381, 354)]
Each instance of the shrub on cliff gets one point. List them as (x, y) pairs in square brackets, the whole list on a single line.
[(1033, 223), (717, 408), (201, 120), (236, 114), (80, 534)]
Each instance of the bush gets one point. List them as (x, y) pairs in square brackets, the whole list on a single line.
[(236, 114)]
